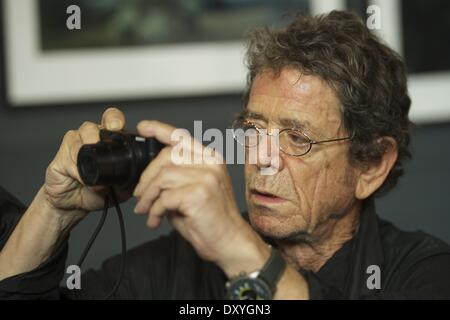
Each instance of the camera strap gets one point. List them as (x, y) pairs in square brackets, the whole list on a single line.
[(110, 199)]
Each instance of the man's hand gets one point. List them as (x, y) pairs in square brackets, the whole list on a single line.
[(199, 202), (59, 205), (63, 187)]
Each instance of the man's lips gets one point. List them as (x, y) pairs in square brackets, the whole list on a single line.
[(265, 197)]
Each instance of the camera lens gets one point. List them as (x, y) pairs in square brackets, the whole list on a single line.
[(105, 163), (117, 160), (88, 167)]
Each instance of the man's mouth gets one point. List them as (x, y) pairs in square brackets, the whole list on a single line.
[(265, 197)]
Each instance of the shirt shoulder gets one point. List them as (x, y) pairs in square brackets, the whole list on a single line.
[(409, 245), (415, 263)]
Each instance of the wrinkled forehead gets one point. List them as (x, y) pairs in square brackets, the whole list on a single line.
[(301, 98)]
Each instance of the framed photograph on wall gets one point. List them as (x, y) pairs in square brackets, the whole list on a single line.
[(130, 49), (141, 49)]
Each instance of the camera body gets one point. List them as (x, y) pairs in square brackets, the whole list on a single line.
[(118, 159)]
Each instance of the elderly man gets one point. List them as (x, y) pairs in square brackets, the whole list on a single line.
[(338, 97)]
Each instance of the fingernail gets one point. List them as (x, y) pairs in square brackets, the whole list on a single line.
[(137, 191), (114, 125), (148, 130)]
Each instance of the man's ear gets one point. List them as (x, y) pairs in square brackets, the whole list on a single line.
[(372, 175)]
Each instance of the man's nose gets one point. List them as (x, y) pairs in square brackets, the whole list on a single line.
[(268, 151)]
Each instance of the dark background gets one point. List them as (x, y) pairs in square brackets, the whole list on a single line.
[(29, 138)]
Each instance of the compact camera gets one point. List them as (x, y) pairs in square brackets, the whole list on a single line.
[(118, 159)]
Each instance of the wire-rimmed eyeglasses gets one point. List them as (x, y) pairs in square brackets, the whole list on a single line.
[(291, 141)]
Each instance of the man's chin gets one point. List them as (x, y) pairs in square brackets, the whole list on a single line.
[(274, 228)]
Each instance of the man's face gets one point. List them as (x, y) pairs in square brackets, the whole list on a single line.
[(309, 191)]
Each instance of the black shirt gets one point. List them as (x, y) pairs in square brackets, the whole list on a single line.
[(413, 265)]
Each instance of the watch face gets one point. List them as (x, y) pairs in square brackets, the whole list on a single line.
[(249, 289)]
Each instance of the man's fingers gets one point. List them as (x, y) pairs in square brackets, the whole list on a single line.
[(168, 202), (173, 177), (162, 204), (113, 119), (162, 160), (164, 180), (165, 133), (89, 133), (67, 155)]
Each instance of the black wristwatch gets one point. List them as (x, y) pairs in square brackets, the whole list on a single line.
[(258, 285)]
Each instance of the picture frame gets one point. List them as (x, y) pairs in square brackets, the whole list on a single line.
[(167, 70), (65, 77)]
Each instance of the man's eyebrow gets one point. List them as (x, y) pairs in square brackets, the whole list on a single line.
[(296, 124), (252, 115), (286, 123)]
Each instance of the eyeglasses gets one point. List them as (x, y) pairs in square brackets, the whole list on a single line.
[(291, 141)]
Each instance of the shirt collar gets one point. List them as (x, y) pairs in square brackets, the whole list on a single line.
[(367, 251), (346, 270)]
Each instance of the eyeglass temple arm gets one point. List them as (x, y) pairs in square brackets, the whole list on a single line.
[(332, 140)]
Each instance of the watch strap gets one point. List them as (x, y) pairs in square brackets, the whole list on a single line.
[(273, 270)]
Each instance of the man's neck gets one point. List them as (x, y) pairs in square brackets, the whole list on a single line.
[(327, 241)]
